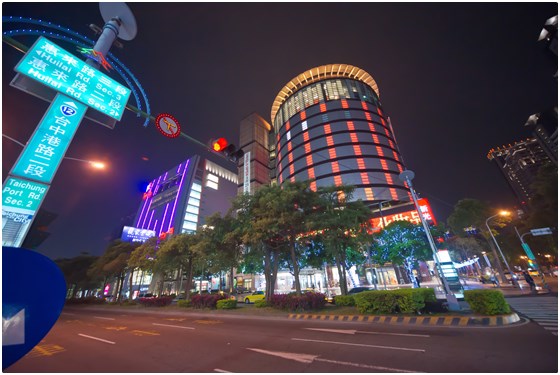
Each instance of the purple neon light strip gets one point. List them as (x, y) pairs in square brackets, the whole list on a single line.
[(178, 194), (151, 198), (144, 207), (163, 220), (151, 217), (155, 224)]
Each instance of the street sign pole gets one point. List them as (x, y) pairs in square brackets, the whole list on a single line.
[(531, 256)]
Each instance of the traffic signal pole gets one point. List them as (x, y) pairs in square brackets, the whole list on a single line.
[(531, 256)]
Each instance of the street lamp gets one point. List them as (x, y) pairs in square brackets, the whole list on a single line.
[(453, 305), (93, 164), (500, 269)]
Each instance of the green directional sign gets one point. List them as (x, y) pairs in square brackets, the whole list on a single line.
[(528, 251), (46, 148), (58, 69), (23, 194)]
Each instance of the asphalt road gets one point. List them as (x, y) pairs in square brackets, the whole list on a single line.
[(125, 341)]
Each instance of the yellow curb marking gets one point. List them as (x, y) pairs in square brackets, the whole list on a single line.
[(208, 321), (45, 350), (144, 333), (115, 328)]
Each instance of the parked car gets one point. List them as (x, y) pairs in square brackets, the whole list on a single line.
[(256, 296), (359, 289)]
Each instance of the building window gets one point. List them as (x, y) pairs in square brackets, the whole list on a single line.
[(304, 125), (212, 181)]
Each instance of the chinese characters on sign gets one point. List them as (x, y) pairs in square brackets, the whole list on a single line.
[(44, 152), (56, 68), (411, 216)]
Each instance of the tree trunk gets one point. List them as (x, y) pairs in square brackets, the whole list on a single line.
[(231, 280), (408, 266), (179, 280), (130, 284), (188, 285), (295, 264)]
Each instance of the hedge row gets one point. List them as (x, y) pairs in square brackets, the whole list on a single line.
[(155, 302), (293, 302), (210, 301), (487, 301), (226, 304), (405, 301)]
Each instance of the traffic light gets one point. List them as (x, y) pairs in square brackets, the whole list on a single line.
[(229, 150)]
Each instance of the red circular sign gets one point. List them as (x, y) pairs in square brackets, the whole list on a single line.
[(168, 125)]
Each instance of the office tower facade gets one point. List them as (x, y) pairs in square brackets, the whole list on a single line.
[(519, 164), (330, 127), (179, 200)]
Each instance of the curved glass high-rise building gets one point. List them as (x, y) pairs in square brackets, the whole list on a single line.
[(329, 126)]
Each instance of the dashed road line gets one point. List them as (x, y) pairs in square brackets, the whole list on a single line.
[(102, 317), (96, 338), (172, 326)]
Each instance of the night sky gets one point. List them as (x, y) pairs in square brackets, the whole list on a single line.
[(455, 79)]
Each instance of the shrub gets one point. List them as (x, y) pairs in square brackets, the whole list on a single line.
[(155, 302), (184, 303), (404, 301), (261, 303), (128, 302), (293, 302), (344, 301), (226, 304), (91, 300), (487, 302), (202, 301)]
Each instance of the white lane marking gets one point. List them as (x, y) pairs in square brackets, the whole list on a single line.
[(381, 368), (219, 370), (169, 325), (96, 338), (353, 332), (101, 317), (308, 358), (365, 345)]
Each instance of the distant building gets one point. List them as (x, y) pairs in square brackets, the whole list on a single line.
[(179, 201), (328, 125), (519, 164), (545, 130)]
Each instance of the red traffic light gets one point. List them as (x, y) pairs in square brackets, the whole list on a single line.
[(219, 144)]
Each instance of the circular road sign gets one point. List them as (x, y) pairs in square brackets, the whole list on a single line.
[(168, 125)]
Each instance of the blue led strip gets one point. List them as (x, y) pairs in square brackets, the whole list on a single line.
[(90, 43)]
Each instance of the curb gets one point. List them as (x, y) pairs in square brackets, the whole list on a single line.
[(453, 321)]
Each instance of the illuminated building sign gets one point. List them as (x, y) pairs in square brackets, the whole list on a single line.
[(58, 69), (131, 234), (44, 152), (411, 216)]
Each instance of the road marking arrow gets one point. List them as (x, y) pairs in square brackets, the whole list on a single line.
[(309, 358), (353, 332), (364, 345)]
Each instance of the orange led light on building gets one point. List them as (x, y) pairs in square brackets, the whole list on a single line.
[(361, 164), (302, 115), (344, 103), (335, 167), (332, 152), (357, 150), (309, 160), (369, 193), (327, 128), (323, 107), (338, 182), (307, 147), (365, 180), (364, 106)]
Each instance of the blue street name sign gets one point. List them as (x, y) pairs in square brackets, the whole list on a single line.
[(56, 68), (46, 148), (18, 193)]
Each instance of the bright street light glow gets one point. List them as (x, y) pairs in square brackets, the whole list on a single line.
[(504, 213), (97, 165)]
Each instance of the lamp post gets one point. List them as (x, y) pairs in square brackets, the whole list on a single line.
[(499, 265), (453, 305), (93, 164)]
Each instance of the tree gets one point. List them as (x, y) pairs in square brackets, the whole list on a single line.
[(75, 273), (181, 252), (339, 224), (224, 241), (405, 244), (144, 258), (114, 263)]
